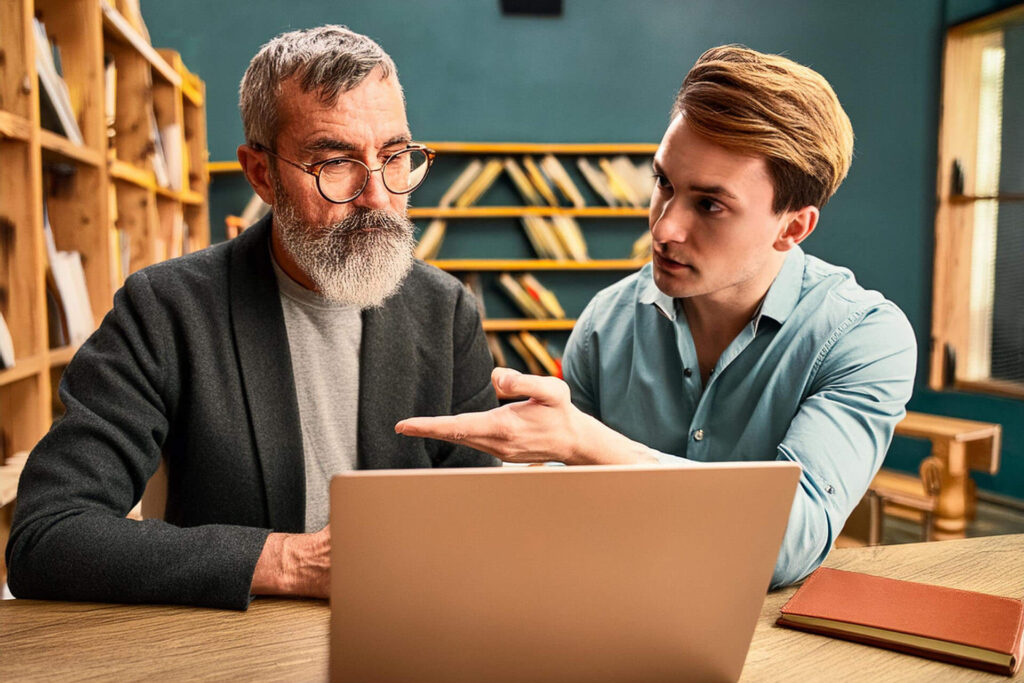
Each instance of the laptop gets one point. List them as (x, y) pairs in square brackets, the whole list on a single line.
[(616, 573)]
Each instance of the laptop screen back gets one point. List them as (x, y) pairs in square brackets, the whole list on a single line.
[(551, 573)]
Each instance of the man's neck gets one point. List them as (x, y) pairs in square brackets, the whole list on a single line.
[(716, 319)]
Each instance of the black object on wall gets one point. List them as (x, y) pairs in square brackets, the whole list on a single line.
[(539, 8)]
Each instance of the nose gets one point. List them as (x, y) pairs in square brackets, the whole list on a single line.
[(669, 221), (374, 195)]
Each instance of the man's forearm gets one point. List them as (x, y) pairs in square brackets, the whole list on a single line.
[(598, 444), (294, 564)]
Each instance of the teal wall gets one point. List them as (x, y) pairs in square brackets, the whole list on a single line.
[(607, 71)]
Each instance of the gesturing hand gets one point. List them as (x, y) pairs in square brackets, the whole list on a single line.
[(544, 426)]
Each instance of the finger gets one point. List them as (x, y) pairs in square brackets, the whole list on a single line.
[(466, 428), (498, 376), (547, 390)]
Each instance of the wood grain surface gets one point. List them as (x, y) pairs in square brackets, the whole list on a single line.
[(279, 639)]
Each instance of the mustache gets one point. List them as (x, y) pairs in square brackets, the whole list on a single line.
[(381, 221)]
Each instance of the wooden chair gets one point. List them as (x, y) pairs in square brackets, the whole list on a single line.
[(895, 490)]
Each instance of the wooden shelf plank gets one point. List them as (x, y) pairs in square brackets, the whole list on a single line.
[(23, 368), (223, 167), (14, 126), (537, 264), (1001, 197), (58, 144), (520, 211), (634, 148), (122, 170), (62, 356), (514, 325), (190, 197), (542, 148), (119, 28)]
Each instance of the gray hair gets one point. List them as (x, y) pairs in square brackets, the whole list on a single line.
[(328, 60)]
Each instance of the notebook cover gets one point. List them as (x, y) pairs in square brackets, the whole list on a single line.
[(956, 616)]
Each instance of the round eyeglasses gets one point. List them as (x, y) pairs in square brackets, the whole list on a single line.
[(342, 179)]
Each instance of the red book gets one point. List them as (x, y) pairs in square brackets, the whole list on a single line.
[(962, 627)]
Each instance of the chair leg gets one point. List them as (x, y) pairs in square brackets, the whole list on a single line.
[(927, 526), (875, 515)]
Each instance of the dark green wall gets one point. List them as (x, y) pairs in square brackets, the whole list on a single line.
[(607, 71)]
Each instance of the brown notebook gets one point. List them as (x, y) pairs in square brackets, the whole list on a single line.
[(961, 627)]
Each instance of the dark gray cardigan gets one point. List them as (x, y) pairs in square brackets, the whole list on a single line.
[(193, 362)]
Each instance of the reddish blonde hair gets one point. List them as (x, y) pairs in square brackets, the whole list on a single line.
[(770, 106)]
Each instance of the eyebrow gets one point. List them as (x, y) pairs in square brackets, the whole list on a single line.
[(335, 145), (713, 190)]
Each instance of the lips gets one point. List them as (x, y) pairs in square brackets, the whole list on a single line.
[(668, 264)]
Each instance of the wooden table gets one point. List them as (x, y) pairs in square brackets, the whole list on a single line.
[(288, 639)]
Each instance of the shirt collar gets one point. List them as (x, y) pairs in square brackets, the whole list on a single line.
[(650, 294), (784, 293), (778, 303)]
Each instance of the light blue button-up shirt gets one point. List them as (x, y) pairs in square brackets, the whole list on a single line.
[(820, 376)]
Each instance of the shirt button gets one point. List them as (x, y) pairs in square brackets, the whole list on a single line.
[(698, 435), (687, 372)]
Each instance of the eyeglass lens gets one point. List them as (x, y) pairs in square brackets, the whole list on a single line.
[(344, 179)]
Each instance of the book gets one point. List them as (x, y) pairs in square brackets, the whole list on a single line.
[(54, 97), (522, 183), (541, 354), (481, 183), (497, 353), (542, 295), (554, 170), (639, 178), (532, 366), (642, 246), (543, 238), (158, 156), (6, 345), (620, 187), (462, 182), (471, 282), (570, 237), (429, 245), (530, 307), (70, 287), (597, 181), (957, 626), (533, 172), (110, 96)]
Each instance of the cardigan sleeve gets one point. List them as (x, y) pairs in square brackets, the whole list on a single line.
[(471, 381), (70, 539)]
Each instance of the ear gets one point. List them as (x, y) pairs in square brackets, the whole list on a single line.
[(257, 172), (796, 226)]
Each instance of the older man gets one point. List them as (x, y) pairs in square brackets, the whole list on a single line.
[(733, 344), (260, 367)]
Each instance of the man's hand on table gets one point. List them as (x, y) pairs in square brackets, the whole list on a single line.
[(294, 564), (545, 426)]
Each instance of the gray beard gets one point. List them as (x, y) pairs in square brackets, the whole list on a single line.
[(360, 261)]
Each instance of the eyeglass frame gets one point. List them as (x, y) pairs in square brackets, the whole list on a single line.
[(316, 168)]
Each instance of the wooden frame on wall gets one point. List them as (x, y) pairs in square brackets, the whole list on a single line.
[(959, 195)]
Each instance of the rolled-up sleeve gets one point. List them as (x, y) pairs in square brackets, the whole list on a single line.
[(863, 379)]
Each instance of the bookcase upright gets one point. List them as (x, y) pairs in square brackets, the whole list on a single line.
[(103, 199)]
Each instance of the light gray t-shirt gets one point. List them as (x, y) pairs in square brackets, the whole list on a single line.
[(324, 339)]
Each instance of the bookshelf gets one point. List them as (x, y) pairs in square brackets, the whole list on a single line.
[(492, 226), (103, 198)]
